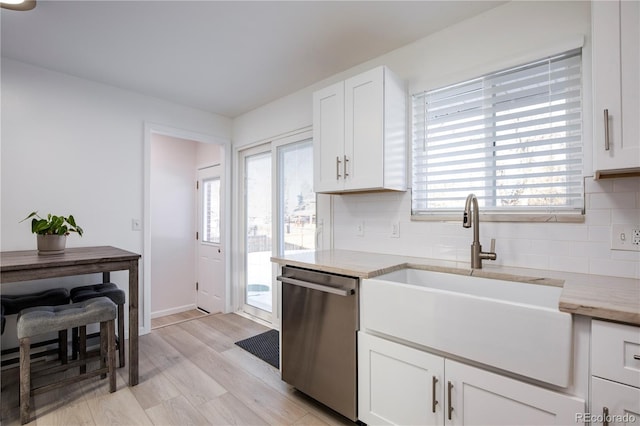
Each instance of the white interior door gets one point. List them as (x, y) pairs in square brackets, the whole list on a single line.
[(210, 270)]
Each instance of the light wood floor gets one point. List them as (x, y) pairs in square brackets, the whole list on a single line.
[(190, 373), (176, 318)]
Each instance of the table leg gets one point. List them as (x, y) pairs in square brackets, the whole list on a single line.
[(133, 323)]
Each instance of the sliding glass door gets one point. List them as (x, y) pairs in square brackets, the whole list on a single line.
[(258, 236), (296, 199), (279, 216)]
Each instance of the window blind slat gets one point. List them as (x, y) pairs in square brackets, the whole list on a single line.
[(514, 138), (516, 106), (480, 98)]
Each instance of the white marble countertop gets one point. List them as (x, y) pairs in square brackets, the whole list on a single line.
[(603, 297)]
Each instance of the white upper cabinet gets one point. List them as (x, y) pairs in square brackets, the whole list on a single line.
[(359, 134), (616, 86)]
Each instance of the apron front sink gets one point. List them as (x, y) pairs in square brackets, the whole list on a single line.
[(513, 326)]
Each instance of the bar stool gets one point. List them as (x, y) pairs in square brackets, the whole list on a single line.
[(117, 295), (13, 304), (45, 319)]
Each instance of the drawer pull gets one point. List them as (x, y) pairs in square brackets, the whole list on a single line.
[(636, 357), (346, 160), (605, 416), (450, 408), (434, 402), (606, 130)]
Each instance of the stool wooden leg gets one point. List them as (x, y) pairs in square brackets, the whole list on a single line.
[(82, 348), (25, 379), (121, 335), (74, 343), (111, 349), (104, 346), (63, 351)]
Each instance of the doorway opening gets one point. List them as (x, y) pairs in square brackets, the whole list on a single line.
[(172, 266)]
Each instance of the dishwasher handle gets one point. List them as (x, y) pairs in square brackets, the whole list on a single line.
[(313, 286)]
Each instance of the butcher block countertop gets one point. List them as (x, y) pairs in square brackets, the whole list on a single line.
[(597, 296)]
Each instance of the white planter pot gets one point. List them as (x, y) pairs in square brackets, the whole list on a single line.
[(51, 244)]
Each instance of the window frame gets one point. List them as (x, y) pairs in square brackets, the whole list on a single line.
[(504, 213)]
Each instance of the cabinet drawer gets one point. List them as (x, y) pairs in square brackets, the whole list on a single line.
[(613, 403), (615, 352)]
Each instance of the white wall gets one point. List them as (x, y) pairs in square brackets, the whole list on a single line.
[(74, 146), (502, 37)]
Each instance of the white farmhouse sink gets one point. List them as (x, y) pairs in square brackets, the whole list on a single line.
[(510, 325)]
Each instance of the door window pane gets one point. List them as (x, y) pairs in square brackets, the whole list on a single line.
[(297, 212), (258, 225), (211, 211)]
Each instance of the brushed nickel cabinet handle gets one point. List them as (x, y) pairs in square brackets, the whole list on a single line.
[(434, 402), (346, 160), (606, 130), (450, 407), (605, 416), (338, 167)]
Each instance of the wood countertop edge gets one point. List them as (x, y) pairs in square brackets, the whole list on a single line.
[(568, 302), (602, 313)]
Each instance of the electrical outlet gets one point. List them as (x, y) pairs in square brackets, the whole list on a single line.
[(395, 229), (625, 237), (360, 228)]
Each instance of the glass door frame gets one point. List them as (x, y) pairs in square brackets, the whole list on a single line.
[(265, 148), (276, 225)]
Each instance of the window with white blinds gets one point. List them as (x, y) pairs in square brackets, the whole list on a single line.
[(513, 138)]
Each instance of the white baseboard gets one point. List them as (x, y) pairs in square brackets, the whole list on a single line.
[(172, 311)]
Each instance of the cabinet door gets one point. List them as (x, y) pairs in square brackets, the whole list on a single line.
[(328, 138), (613, 403), (616, 67), (396, 384), (364, 130), (479, 397)]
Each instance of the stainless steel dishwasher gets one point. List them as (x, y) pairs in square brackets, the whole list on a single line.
[(319, 326)]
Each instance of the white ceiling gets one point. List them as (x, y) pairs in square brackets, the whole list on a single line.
[(226, 57)]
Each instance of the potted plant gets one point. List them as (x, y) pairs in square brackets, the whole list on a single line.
[(52, 232)]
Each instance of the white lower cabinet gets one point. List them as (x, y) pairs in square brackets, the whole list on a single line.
[(615, 369), (396, 384), (402, 385)]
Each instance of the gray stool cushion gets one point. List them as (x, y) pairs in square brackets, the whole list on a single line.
[(45, 319), (13, 304), (110, 290)]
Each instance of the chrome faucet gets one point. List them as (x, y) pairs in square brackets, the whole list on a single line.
[(467, 221)]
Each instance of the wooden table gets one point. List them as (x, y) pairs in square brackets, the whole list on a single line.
[(27, 265)]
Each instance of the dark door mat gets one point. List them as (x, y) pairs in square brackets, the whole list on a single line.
[(265, 346)]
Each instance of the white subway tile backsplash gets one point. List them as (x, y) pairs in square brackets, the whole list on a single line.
[(616, 268), (626, 216), (603, 185), (599, 217), (626, 185), (569, 264), (573, 247), (612, 200), (599, 233), (598, 250)]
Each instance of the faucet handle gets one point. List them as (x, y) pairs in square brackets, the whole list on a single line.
[(493, 246)]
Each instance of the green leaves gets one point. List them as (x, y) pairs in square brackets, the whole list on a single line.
[(53, 225)]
